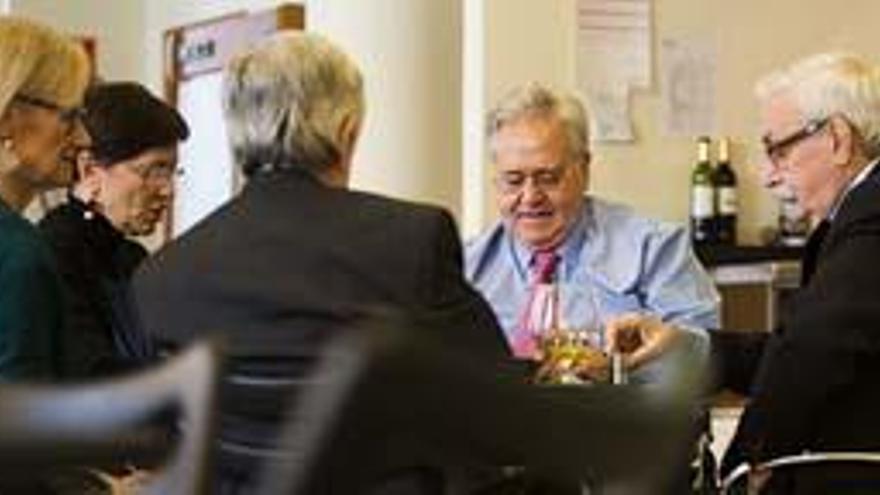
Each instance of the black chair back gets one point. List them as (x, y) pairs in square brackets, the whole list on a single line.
[(47, 427)]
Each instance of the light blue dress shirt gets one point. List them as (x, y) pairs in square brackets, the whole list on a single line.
[(613, 261)]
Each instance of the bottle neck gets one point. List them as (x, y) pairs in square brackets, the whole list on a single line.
[(703, 153)]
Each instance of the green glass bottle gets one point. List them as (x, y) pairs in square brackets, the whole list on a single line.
[(702, 196), (724, 181)]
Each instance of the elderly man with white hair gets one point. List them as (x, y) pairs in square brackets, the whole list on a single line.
[(604, 257), (815, 387)]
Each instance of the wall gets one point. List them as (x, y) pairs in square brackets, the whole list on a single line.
[(117, 25), (162, 15), (409, 52), (528, 39)]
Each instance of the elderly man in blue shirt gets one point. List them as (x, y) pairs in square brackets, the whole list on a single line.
[(606, 259)]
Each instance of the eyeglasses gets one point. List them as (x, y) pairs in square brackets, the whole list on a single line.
[(778, 150), (148, 172), (67, 115), (156, 172), (546, 179)]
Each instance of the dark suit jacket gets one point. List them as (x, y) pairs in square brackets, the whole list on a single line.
[(815, 388), (277, 269)]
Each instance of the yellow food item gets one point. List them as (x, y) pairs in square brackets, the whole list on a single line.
[(567, 357)]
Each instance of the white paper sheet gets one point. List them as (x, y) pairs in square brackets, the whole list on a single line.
[(613, 55), (209, 176), (688, 86)]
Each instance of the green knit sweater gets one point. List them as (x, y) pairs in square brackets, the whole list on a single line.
[(30, 303)]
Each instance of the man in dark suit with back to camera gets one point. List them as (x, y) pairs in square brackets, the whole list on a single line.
[(815, 387), (297, 255)]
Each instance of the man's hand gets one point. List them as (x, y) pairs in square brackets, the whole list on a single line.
[(640, 338)]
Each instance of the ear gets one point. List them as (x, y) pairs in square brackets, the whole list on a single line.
[(845, 141), (9, 125), (90, 176), (585, 168), (349, 131), (86, 168), (9, 120)]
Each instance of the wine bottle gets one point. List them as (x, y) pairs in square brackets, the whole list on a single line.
[(724, 182), (702, 196)]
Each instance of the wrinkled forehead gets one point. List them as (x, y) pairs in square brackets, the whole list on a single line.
[(779, 114), (529, 140)]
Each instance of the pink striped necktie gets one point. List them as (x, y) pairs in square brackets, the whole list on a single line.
[(543, 270)]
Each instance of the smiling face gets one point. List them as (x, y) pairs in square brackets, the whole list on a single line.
[(539, 184), (133, 194)]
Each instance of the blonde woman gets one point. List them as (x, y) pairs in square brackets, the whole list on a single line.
[(43, 76)]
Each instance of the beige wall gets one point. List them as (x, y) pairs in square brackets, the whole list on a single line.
[(532, 39), (117, 25), (409, 51)]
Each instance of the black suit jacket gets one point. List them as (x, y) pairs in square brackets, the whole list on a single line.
[(816, 387), (279, 268)]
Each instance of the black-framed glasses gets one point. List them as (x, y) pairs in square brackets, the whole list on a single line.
[(67, 115), (777, 150), (546, 179)]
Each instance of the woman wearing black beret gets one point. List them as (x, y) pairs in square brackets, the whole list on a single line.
[(124, 186)]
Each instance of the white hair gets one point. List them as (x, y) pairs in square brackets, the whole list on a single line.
[(832, 84), (535, 99), (285, 102)]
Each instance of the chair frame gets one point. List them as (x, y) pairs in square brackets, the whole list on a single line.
[(803, 459), (47, 426)]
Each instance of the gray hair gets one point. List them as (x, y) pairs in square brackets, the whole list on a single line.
[(535, 99), (285, 102), (832, 84)]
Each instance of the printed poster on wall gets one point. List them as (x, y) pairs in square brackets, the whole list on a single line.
[(687, 86), (613, 56)]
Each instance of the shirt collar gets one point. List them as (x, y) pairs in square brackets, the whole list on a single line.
[(858, 179)]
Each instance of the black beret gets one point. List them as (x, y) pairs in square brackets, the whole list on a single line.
[(124, 119)]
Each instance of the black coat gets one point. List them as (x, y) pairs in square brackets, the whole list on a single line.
[(96, 263), (278, 269), (816, 386), (274, 270)]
